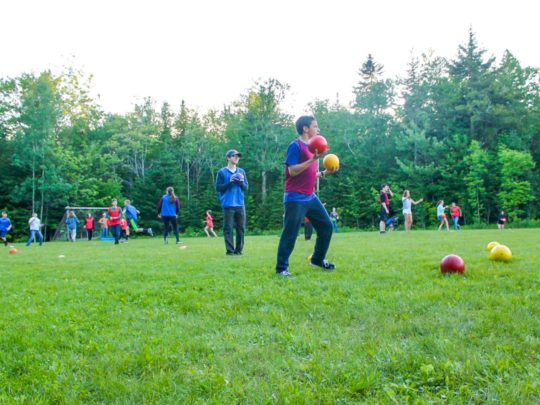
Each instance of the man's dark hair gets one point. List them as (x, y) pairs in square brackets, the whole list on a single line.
[(303, 121)]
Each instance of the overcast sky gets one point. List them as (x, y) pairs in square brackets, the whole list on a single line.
[(208, 52)]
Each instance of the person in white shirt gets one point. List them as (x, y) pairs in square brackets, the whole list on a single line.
[(407, 209), (441, 215), (35, 230)]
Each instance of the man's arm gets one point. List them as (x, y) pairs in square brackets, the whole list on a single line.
[(221, 186), (295, 170)]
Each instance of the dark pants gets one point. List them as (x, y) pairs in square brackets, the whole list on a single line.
[(294, 215), (308, 230), (234, 217), (89, 233), (115, 230), (174, 224)]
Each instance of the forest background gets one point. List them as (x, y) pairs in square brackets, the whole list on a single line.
[(466, 130)]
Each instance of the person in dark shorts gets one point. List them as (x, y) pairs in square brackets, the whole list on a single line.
[(502, 219)]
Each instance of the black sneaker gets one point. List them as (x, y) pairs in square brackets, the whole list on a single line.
[(229, 254), (238, 253), (284, 274), (325, 265)]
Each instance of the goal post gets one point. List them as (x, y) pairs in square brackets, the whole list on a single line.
[(61, 229)]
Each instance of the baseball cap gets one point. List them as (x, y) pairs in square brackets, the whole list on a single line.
[(233, 152)]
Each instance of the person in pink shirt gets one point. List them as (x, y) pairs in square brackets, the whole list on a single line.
[(209, 224), (455, 213)]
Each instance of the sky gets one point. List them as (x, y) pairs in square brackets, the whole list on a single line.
[(210, 52)]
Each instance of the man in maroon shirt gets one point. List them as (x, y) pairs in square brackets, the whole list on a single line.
[(301, 201)]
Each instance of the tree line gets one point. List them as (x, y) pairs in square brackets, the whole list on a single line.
[(465, 130)]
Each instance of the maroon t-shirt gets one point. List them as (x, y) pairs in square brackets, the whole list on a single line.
[(303, 183), (385, 199)]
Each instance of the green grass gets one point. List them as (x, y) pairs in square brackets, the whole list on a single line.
[(148, 323)]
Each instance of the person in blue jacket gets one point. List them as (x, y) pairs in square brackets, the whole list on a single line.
[(5, 226), (71, 222), (168, 209), (231, 183)]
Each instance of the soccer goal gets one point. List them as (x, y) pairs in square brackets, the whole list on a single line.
[(80, 213)]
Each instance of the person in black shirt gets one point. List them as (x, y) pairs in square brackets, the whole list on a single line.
[(502, 218)]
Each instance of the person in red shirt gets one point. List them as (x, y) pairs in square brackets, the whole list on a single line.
[(455, 212), (89, 225), (124, 230), (115, 214), (209, 224)]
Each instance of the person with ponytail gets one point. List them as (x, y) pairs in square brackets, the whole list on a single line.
[(168, 208)]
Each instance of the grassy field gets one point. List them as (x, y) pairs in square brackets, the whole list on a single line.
[(148, 323)]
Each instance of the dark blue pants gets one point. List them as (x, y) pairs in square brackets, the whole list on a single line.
[(170, 220), (294, 216), (115, 230), (234, 217)]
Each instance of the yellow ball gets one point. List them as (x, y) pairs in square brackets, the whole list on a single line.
[(331, 162), (501, 253), (491, 245)]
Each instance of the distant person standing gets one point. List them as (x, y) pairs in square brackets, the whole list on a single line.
[(71, 222), (209, 228), (408, 202), (231, 184), (5, 227), (385, 207), (334, 216), (502, 219), (441, 215), (35, 230), (455, 213), (114, 216), (168, 209), (89, 226), (104, 223)]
